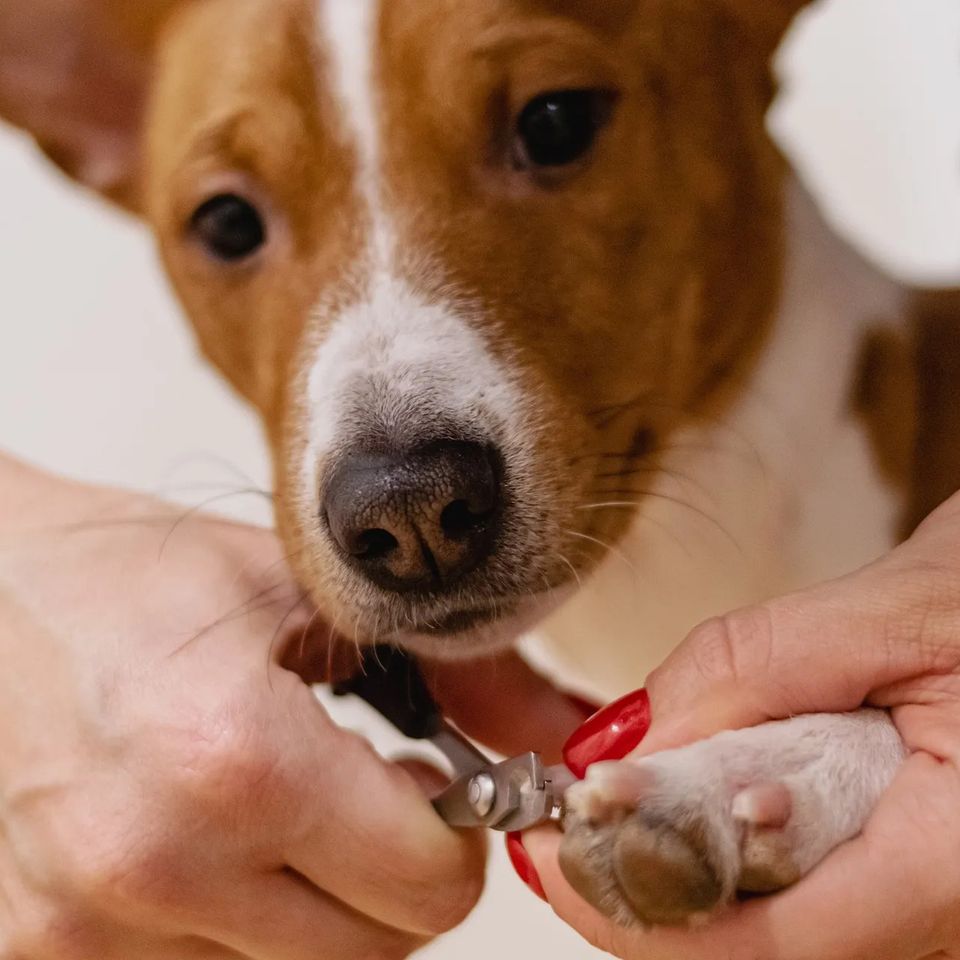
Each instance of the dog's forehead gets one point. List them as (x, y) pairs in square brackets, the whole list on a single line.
[(388, 88), (348, 36)]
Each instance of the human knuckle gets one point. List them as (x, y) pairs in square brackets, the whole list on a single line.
[(128, 868), (230, 762), (721, 646), (442, 906)]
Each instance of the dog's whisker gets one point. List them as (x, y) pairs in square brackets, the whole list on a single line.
[(278, 631), (249, 608), (655, 470), (656, 495), (632, 472), (375, 632), (576, 573), (194, 510), (286, 558), (633, 504), (236, 612), (356, 640), (307, 627), (615, 551), (170, 489), (201, 457), (331, 641)]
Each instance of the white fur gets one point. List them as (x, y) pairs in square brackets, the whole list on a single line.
[(783, 491), (406, 361), (348, 33)]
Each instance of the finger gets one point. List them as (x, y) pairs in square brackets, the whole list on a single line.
[(823, 649), (889, 894), (282, 916), (504, 703), (543, 847), (368, 835), (311, 650), (427, 777), (112, 941), (190, 948)]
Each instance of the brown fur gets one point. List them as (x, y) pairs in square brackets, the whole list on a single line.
[(908, 394), (936, 454), (885, 397)]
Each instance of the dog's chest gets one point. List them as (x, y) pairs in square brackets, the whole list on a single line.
[(782, 491)]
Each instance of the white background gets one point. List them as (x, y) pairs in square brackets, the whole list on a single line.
[(98, 376)]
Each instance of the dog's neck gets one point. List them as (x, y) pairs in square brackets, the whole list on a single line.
[(782, 490)]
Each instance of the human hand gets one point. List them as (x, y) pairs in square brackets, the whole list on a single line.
[(888, 635), (168, 787)]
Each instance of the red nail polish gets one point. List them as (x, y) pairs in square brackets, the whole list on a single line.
[(610, 734), (522, 863), (586, 707)]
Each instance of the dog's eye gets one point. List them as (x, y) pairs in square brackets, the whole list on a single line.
[(557, 128), (229, 227)]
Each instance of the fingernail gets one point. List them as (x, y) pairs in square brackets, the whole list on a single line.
[(522, 863), (584, 707), (610, 734)]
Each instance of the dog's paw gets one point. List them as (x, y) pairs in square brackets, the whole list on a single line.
[(670, 838)]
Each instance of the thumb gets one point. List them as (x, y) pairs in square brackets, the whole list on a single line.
[(827, 648), (504, 703)]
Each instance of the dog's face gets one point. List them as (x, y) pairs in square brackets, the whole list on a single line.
[(474, 262)]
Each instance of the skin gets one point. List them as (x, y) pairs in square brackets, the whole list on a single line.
[(166, 789), (887, 636)]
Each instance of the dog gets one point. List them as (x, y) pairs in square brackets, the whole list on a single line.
[(542, 330)]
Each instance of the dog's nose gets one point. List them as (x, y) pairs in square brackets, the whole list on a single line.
[(419, 520)]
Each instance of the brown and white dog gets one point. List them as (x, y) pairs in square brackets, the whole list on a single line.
[(510, 281)]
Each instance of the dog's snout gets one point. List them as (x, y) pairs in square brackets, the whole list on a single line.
[(419, 520)]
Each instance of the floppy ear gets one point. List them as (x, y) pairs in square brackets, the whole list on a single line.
[(74, 73)]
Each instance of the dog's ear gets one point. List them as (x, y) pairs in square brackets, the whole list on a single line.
[(74, 73)]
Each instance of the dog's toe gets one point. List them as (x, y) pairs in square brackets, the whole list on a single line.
[(665, 874), (767, 861), (586, 859)]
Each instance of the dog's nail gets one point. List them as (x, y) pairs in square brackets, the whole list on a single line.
[(763, 804), (522, 863), (585, 707), (610, 734)]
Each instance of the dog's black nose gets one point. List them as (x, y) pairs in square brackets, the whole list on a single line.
[(419, 520)]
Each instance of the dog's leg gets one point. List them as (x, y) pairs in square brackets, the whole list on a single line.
[(669, 838)]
